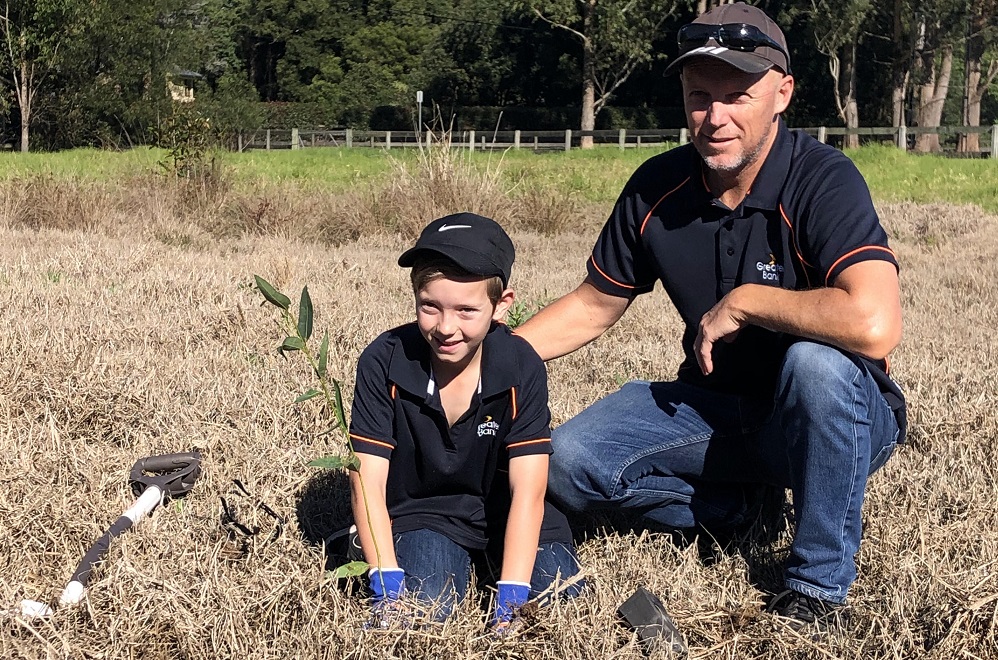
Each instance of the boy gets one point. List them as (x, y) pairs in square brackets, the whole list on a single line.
[(450, 418)]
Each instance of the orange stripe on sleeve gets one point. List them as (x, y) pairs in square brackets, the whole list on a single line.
[(513, 398), (372, 441), (857, 250), (647, 217), (609, 279), (394, 390), (528, 442)]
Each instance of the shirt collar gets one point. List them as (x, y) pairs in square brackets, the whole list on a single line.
[(410, 366), (765, 193), (768, 184)]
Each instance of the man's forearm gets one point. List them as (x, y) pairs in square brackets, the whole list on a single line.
[(829, 315), (572, 321)]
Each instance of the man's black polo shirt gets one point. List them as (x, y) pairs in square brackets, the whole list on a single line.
[(452, 480), (808, 217)]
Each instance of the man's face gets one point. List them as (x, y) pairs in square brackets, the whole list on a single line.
[(731, 114), (454, 316)]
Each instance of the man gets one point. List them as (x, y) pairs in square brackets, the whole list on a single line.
[(767, 243)]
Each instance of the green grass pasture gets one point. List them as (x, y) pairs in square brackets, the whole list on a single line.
[(594, 176)]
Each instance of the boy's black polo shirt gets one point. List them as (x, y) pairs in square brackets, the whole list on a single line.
[(452, 480), (808, 217)]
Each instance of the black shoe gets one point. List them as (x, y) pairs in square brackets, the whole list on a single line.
[(345, 544), (807, 612)]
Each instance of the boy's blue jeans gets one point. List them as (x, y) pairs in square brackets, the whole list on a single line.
[(682, 455), (437, 570)]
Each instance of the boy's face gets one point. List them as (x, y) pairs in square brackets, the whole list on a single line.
[(454, 315)]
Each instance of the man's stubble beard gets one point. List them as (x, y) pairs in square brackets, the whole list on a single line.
[(744, 159)]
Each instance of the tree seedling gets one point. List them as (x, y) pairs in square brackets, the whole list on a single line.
[(299, 332)]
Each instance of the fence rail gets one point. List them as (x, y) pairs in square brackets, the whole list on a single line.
[(565, 140)]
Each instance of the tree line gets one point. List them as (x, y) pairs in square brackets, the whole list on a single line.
[(96, 72)]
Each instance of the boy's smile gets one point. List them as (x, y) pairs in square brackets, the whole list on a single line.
[(454, 315)]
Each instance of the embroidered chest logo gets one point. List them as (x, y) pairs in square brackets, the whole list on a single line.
[(770, 270), (488, 427)]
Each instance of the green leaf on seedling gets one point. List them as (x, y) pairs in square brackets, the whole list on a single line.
[(351, 569), (329, 462), (292, 344), (272, 295), (352, 463), (338, 407), (307, 395), (323, 355), (305, 315)]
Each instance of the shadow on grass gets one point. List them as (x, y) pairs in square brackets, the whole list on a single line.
[(323, 512), (761, 540)]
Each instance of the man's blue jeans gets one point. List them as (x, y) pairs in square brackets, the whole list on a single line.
[(682, 455), (437, 570)]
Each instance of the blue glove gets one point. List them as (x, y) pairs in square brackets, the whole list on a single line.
[(387, 584), (511, 597), (387, 587)]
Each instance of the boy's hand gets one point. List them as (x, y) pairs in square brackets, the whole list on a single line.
[(387, 587), (511, 597), (387, 584)]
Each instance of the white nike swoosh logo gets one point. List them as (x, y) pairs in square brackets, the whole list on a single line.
[(448, 227)]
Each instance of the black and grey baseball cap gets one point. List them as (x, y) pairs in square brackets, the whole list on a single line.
[(475, 243), (738, 34)]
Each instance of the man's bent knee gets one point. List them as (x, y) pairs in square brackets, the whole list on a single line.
[(818, 365)]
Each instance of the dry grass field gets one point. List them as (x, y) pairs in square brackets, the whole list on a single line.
[(132, 327)]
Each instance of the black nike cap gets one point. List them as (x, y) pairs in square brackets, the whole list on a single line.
[(475, 243)]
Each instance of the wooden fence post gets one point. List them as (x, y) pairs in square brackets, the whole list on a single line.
[(535, 143), (994, 141), (622, 138), (268, 139), (388, 139), (294, 139), (429, 137), (684, 135), (568, 139), (349, 138), (822, 134), (471, 140), (240, 142), (516, 139), (903, 137)]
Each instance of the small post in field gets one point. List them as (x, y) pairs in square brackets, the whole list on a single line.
[(622, 138), (903, 137), (516, 139), (240, 142), (429, 137), (535, 143), (684, 135), (349, 138), (294, 139), (268, 139), (994, 141), (822, 134), (419, 106), (471, 140), (568, 139), (388, 139)]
